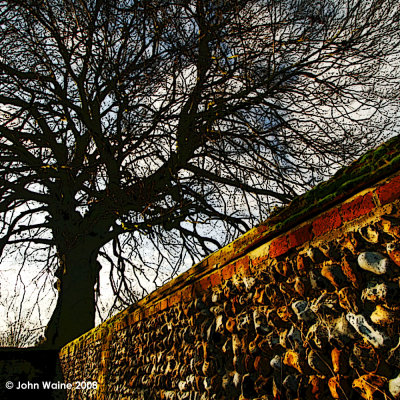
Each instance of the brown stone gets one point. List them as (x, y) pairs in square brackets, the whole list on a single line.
[(293, 359), (371, 386), (340, 361), (339, 386)]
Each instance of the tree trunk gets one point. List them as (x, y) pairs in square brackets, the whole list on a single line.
[(74, 313)]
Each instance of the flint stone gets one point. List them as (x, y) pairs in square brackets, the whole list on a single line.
[(319, 334), (342, 331), (374, 262), (276, 363), (303, 311), (360, 324), (394, 387), (260, 322), (294, 337), (380, 292)]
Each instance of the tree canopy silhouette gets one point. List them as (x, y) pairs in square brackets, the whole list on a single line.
[(125, 121)]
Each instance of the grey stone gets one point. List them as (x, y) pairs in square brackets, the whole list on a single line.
[(303, 311), (380, 292), (374, 262), (319, 334), (394, 387), (276, 363), (373, 336), (342, 331)]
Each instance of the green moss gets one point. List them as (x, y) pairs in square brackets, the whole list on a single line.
[(395, 160), (373, 166)]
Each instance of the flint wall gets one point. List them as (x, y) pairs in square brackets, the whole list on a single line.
[(304, 306)]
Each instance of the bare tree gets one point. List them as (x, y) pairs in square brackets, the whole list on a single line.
[(18, 327), (163, 122)]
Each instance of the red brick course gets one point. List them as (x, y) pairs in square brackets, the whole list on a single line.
[(174, 299), (389, 191), (202, 285), (215, 279), (157, 307), (164, 304), (300, 236), (327, 222), (131, 319), (243, 265), (358, 207), (279, 246), (187, 293), (138, 316), (228, 271), (259, 260)]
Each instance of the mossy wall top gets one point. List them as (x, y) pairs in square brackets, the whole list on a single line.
[(303, 306)]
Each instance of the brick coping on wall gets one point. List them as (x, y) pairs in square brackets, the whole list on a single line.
[(368, 183)]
